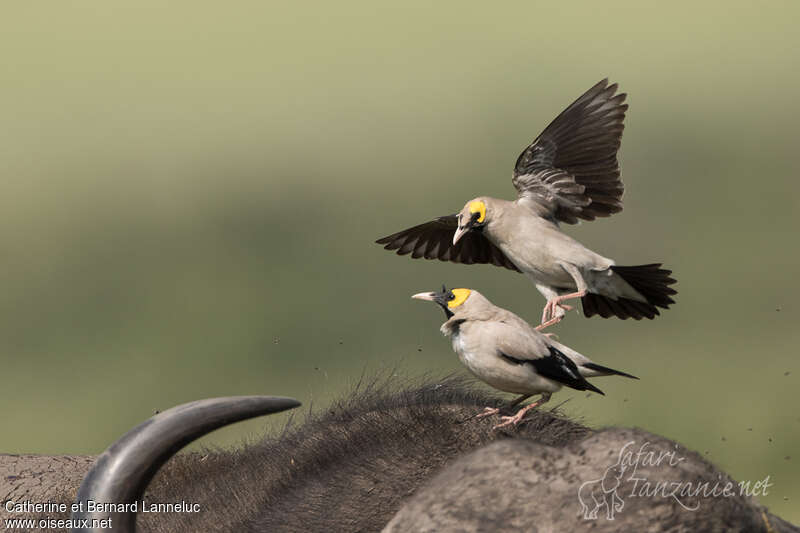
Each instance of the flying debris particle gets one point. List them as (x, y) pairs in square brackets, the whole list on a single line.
[(419, 349), (624, 400), (341, 342), (724, 439), (316, 368), (749, 429), (788, 458), (588, 394), (275, 340), (770, 439), (778, 309), (786, 373)]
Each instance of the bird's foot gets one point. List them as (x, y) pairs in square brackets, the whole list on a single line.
[(517, 418), (488, 411), (554, 311), (547, 324)]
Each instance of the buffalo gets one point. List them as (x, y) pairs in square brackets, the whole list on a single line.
[(392, 458)]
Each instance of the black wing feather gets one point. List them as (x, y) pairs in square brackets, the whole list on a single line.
[(571, 170), (434, 240), (557, 367)]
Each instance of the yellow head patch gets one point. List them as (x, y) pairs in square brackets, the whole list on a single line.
[(461, 296), (478, 207)]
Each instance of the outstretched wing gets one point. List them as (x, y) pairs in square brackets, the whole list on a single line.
[(434, 240), (571, 171)]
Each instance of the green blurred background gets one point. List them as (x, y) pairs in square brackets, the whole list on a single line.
[(190, 192)]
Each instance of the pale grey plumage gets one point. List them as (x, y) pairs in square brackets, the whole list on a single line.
[(569, 172), (506, 352)]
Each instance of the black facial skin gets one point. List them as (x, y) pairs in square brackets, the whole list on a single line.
[(472, 223), (442, 298)]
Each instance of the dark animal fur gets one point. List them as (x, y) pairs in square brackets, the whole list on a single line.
[(352, 467), (348, 468)]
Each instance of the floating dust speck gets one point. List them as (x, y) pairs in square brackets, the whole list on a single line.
[(419, 349), (588, 394), (778, 309), (749, 429), (724, 439), (624, 400), (770, 439), (275, 340), (341, 342), (788, 458), (786, 373)]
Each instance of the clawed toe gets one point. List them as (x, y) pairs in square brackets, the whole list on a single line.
[(517, 418), (488, 411), (508, 421)]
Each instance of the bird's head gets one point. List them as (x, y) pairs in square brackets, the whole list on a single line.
[(473, 216), (451, 300)]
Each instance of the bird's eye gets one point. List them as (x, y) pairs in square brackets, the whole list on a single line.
[(450, 295)]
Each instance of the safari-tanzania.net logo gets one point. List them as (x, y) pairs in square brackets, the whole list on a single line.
[(606, 495)]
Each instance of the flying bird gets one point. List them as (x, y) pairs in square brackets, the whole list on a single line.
[(568, 173), (504, 351)]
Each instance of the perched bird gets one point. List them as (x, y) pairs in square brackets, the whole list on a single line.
[(506, 352), (569, 172)]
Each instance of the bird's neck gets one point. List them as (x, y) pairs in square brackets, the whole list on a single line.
[(451, 327)]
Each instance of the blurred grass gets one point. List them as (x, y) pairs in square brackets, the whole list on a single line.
[(190, 194)]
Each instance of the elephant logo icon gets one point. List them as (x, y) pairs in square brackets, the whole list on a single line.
[(602, 493)]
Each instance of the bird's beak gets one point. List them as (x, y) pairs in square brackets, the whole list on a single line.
[(429, 296), (460, 233)]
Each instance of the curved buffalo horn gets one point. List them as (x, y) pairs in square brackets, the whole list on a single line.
[(122, 472)]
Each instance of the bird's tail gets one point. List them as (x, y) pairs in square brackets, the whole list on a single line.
[(605, 371), (651, 281)]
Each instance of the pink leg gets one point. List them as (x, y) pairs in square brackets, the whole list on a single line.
[(549, 323), (550, 308), (517, 418), (488, 411)]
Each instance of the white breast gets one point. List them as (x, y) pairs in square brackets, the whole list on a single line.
[(495, 371)]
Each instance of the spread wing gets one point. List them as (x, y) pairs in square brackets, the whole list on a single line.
[(571, 171), (434, 240)]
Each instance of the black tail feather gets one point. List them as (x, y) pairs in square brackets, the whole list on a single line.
[(651, 281), (601, 368), (588, 386)]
